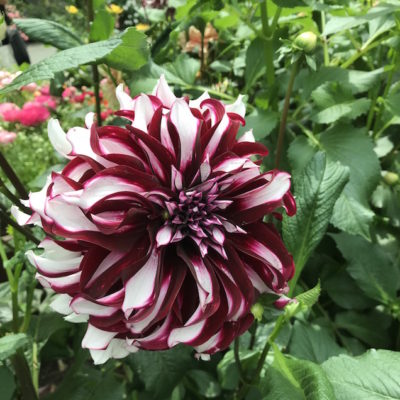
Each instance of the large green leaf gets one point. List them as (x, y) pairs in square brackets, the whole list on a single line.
[(131, 54), (7, 383), (48, 32), (262, 123), (370, 328), (337, 24), (9, 344), (185, 68), (373, 376), (64, 60), (357, 81), (316, 189), (313, 342), (349, 110), (293, 379), (343, 290), (351, 212), (370, 266), (102, 27), (255, 63), (352, 216), (161, 371)]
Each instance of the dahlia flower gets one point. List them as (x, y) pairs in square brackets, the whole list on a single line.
[(163, 224)]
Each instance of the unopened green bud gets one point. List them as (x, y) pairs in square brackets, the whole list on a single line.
[(257, 310), (391, 178), (306, 41)]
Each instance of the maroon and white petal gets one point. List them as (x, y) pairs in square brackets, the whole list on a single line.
[(140, 289), (164, 92)]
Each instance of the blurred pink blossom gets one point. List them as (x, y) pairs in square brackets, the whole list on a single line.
[(46, 100), (33, 114), (9, 112), (7, 137)]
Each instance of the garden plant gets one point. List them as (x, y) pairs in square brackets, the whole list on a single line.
[(200, 199)]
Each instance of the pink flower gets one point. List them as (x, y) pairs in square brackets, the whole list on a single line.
[(31, 87), (33, 114), (10, 112), (163, 224), (46, 100), (69, 92), (7, 137)]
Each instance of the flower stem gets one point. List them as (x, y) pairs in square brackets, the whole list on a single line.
[(268, 33), (282, 127), (95, 70), (27, 233), (12, 176), (280, 322), (238, 362)]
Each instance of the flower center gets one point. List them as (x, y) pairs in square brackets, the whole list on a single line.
[(191, 213)]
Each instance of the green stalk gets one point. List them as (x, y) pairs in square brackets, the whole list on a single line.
[(268, 49), (12, 176), (18, 360), (282, 127), (280, 322), (27, 233), (324, 39), (95, 70)]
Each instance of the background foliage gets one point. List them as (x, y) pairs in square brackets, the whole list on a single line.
[(335, 104)]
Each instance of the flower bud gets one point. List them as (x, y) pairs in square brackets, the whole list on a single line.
[(306, 41), (391, 178), (257, 310)]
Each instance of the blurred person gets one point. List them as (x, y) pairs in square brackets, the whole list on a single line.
[(13, 37)]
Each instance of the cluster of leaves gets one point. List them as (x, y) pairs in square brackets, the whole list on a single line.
[(338, 109)]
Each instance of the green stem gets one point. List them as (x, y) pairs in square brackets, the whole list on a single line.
[(268, 48), (282, 127), (14, 199), (23, 374), (281, 321), (28, 310), (361, 52), (237, 360), (95, 70), (12, 176), (22, 230), (324, 39)]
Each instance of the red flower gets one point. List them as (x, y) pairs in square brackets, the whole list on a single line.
[(165, 239)]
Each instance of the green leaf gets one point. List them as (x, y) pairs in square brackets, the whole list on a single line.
[(262, 123), (370, 328), (351, 212), (313, 343), (7, 383), (357, 81), (204, 383), (350, 110), (255, 64), (293, 379), (351, 216), (316, 189), (64, 60), (338, 24), (373, 376), (185, 68), (343, 290), (228, 374), (131, 54), (310, 297), (161, 371), (88, 384), (48, 32), (289, 3), (102, 27), (370, 266), (9, 344)]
